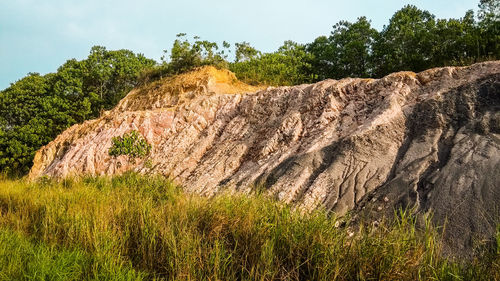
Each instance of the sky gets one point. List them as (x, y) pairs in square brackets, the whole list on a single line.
[(39, 36)]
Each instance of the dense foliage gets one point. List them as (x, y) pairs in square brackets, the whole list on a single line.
[(290, 65), (37, 108), (142, 228), (413, 40)]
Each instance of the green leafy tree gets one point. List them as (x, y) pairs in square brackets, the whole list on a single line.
[(245, 52), (31, 116), (489, 25), (350, 49), (413, 40), (489, 10), (322, 55), (107, 76), (406, 43), (290, 65), (185, 56), (457, 41), (67, 85)]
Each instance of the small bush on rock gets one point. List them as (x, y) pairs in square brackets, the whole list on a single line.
[(132, 144)]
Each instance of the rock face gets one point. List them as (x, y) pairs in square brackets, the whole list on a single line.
[(429, 140)]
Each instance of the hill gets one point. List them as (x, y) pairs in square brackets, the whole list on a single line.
[(427, 141)]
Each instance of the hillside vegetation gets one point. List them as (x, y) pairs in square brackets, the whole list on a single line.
[(133, 227), (35, 109)]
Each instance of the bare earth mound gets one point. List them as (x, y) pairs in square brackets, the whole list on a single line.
[(429, 140)]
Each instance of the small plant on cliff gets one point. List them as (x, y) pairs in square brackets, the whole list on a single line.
[(132, 144)]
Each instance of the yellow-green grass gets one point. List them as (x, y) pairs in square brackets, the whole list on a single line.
[(148, 228)]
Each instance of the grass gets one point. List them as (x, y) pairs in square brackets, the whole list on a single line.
[(23, 259), (133, 227)]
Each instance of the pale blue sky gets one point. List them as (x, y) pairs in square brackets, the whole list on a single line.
[(40, 35)]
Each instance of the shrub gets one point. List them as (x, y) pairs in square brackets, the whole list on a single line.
[(132, 144)]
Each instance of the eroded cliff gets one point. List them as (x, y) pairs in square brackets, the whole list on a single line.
[(429, 140)]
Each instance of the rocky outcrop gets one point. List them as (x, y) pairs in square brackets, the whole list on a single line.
[(429, 140)]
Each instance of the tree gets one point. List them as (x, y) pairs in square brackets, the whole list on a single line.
[(290, 65), (245, 52), (322, 52), (489, 25), (30, 117), (489, 9), (352, 45), (346, 53), (109, 75), (185, 55), (406, 43), (67, 85), (457, 41)]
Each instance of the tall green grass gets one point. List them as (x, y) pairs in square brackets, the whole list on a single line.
[(22, 259), (150, 225)]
